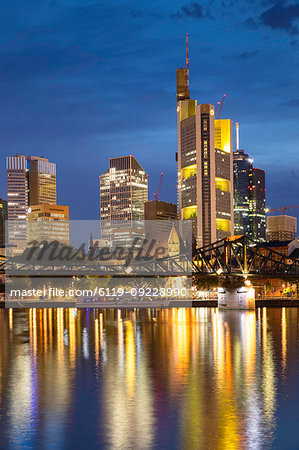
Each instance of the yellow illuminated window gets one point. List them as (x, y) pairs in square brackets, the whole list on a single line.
[(223, 225), (222, 184), (188, 172), (189, 212)]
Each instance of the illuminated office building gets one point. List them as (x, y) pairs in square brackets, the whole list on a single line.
[(205, 169), (17, 201), (30, 180), (42, 181), (257, 206), (48, 223), (243, 164), (123, 192), (249, 197)]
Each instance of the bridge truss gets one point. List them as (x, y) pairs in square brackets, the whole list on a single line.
[(241, 255)]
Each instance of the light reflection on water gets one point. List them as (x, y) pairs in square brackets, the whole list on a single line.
[(173, 378)]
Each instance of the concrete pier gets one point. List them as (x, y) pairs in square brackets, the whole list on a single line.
[(236, 297)]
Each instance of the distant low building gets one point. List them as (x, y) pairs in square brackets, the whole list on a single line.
[(125, 237), (281, 228), (164, 212), (294, 248), (48, 223)]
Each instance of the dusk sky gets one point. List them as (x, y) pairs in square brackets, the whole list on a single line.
[(83, 80)]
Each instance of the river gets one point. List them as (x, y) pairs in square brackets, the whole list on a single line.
[(193, 378)]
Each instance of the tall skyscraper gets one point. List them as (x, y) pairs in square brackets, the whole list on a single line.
[(42, 181), (205, 168), (257, 206), (249, 196), (30, 179), (243, 164), (123, 191), (17, 200)]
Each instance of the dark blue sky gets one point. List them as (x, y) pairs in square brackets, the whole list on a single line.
[(85, 80)]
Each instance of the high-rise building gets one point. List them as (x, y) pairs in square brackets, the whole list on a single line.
[(123, 192), (48, 223), (42, 181), (281, 228), (30, 179), (249, 197), (205, 170), (17, 200), (3, 219), (243, 164), (257, 206)]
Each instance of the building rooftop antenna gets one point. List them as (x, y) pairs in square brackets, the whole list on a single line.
[(238, 135), (187, 61), (187, 51)]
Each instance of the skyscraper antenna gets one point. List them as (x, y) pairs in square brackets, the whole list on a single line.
[(187, 51), (238, 136)]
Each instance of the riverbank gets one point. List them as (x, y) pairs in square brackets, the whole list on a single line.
[(25, 304)]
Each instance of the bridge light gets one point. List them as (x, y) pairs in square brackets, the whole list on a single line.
[(219, 271)]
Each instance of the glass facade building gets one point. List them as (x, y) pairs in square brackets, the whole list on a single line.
[(123, 192), (42, 181), (249, 198), (243, 164), (31, 180)]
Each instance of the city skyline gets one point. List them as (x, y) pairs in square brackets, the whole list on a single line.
[(63, 124), (149, 254)]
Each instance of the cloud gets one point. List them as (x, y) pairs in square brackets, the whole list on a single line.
[(282, 17), (247, 55), (294, 103), (251, 23), (136, 13), (139, 14), (194, 10)]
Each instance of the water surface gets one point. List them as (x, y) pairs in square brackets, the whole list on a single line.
[(173, 378)]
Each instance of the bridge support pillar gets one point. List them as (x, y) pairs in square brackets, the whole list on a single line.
[(236, 297)]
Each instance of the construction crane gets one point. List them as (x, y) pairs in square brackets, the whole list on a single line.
[(217, 108), (155, 195), (220, 107), (283, 209)]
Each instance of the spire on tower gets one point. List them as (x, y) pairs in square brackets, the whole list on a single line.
[(187, 51), (187, 62), (182, 75), (238, 136)]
